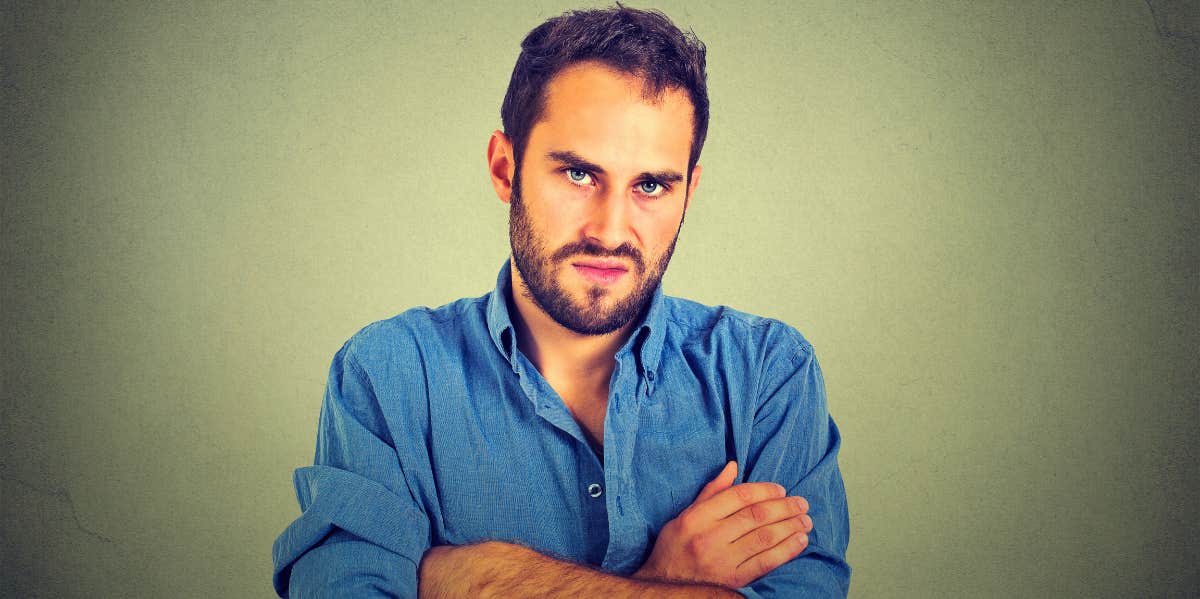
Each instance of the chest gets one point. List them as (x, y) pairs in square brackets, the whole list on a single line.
[(589, 411), (510, 465)]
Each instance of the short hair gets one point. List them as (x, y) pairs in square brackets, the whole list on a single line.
[(643, 43)]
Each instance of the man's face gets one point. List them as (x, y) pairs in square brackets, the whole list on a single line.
[(599, 197)]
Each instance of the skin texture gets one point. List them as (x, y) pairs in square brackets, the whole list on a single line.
[(604, 177)]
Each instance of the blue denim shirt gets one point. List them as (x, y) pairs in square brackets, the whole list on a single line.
[(436, 430)]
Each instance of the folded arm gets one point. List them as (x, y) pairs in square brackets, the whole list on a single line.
[(795, 443), (729, 536), (361, 532), (496, 569)]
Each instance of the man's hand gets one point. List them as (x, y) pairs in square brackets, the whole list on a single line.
[(730, 535)]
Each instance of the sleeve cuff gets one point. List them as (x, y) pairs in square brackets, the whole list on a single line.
[(338, 499)]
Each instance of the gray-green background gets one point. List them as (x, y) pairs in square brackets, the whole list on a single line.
[(984, 217)]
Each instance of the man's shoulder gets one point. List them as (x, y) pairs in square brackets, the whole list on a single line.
[(421, 327), (695, 322)]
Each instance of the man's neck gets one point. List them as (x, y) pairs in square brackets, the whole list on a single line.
[(558, 353)]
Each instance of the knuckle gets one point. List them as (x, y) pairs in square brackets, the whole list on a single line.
[(759, 513), (744, 493), (745, 517), (764, 538)]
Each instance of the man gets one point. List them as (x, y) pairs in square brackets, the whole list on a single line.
[(575, 432)]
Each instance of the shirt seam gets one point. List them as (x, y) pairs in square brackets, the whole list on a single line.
[(794, 357), (757, 322)]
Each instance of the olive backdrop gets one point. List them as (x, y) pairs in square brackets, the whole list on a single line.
[(984, 217)]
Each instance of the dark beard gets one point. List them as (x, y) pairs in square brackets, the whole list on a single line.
[(538, 272)]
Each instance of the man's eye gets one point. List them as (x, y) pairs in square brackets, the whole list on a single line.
[(650, 188), (578, 176)]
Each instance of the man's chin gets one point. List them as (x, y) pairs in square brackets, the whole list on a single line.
[(599, 311), (594, 316), (590, 309), (599, 300)]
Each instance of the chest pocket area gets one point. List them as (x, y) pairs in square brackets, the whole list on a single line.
[(684, 405), (674, 418)]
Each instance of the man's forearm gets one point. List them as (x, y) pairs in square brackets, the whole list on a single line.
[(496, 569)]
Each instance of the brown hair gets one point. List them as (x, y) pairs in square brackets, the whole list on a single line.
[(643, 43)]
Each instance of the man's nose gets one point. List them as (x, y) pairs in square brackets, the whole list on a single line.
[(608, 223)]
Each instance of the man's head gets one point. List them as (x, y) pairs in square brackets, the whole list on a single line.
[(641, 43), (604, 120)]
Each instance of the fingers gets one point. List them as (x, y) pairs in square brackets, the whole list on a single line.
[(790, 511), (729, 501), (766, 536), (760, 564), (732, 532)]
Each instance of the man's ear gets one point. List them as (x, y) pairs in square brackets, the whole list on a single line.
[(691, 191), (502, 165)]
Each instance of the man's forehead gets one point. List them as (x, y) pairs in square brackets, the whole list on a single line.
[(595, 108), (589, 74)]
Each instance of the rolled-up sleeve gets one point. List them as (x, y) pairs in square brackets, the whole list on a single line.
[(795, 443), (360, 533)]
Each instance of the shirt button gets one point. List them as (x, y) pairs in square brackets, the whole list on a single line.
[(595, 490)]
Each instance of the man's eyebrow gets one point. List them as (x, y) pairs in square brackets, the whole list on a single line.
[(574, 160), (663, 176)]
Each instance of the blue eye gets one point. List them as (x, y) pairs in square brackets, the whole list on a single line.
[(650, 188), (577, 175)]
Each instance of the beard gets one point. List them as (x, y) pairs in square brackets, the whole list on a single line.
[(540, 269)]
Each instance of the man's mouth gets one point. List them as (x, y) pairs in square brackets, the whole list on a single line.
[(600, 271)]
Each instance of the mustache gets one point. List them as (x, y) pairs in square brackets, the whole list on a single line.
[(595, 250)]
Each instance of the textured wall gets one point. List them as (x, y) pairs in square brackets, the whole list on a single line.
[(985, 218)]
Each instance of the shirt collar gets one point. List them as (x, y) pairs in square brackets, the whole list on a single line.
[(499, 324), (646, 341)]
